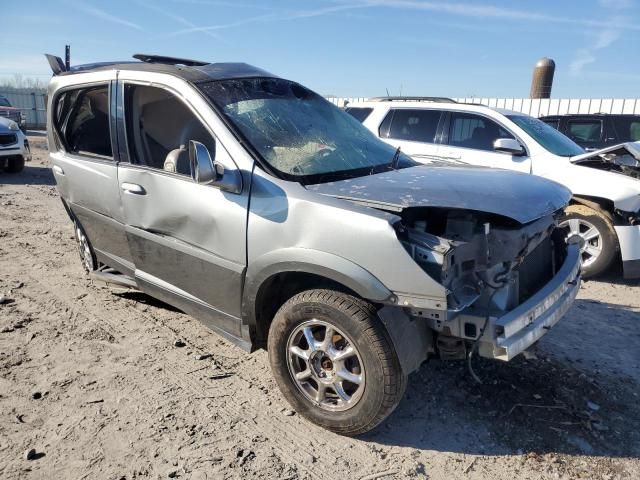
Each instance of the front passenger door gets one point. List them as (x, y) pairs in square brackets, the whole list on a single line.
[(187, 240)]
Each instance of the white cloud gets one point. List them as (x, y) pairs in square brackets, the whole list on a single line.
[(454, 9), (616, 4), (614, 29), (176, 18), (276, 17), (96, 12)]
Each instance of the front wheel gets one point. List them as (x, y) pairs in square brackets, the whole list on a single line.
[(334, 361), (600, 247)]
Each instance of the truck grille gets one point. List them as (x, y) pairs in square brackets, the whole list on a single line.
[(7, 139)]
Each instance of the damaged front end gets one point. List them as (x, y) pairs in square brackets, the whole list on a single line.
[(507, 283), (623, 159), (490, 238)]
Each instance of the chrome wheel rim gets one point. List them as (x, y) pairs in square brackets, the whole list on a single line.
[(325, 365), (85, 250), (592, 239)]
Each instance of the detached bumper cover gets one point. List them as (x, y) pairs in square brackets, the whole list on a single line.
[(522, 327)]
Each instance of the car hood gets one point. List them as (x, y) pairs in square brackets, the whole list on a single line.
[(629, 148), (521, 197)]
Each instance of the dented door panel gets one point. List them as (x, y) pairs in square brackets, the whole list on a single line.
[(188, 235)]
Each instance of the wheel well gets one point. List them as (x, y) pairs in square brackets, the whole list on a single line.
[(279, 288), (605, 205)]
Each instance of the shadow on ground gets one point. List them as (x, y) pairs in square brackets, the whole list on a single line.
[(145, 299), (31, 175)]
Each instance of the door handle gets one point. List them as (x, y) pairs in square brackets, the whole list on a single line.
[(133, 188), (58, 170)]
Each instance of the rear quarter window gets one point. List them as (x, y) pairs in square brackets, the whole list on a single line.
[(627, 129)]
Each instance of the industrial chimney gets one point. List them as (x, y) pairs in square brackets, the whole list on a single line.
[(542, 78)]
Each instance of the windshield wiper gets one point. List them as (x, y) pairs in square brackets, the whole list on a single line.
[(394, 160)]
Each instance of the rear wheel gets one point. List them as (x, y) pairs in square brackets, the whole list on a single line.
[(87, 257), (334, 362), (600, 247), (14, 165)]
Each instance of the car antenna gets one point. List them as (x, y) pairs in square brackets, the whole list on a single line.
[(67, 57)]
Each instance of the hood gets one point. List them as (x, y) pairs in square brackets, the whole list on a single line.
[(629, 149), (518, 196)]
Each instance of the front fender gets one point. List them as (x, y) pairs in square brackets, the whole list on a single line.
[(327, 265)]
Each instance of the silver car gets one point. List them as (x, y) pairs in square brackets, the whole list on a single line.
[(253, 204)]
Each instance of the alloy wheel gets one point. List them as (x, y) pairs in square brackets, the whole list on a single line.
[(325, 365), (592, 246)]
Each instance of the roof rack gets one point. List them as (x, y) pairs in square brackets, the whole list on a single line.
[(413, 99), (169, 60)]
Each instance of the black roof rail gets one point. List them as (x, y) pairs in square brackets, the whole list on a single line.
[(413, 99), (169, 60)]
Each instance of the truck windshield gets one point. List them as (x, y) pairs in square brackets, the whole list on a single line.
[(548, 137), (298, 133), (4, 102)]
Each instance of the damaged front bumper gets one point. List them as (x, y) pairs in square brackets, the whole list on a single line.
[(516, 331)]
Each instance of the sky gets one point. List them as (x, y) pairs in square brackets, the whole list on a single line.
[(349, 47)]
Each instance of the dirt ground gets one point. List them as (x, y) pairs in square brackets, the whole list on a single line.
[(90, 378)]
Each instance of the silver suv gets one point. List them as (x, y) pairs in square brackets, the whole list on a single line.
[(253, 204)]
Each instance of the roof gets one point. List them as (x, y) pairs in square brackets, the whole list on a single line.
[(190, 70), (445, 105)]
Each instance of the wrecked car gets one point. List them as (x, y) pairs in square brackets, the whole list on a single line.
[(279, 221), (605, 208)]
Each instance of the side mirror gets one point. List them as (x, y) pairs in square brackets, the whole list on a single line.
[(202, 168), (206, 171), (508, 145)]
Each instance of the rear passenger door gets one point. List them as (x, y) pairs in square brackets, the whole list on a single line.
[(468, 139), (85, 166), (414, 130), (188, 240)]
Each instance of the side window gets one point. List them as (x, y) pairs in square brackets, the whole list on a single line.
[(585, 130), (159, 126), (415, 125), (81, 121), (627, 128), (474, 131), (552, 123), (359, 113)]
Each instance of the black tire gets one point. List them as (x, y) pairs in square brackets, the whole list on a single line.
[(384, 383), (14, 165), (607, 239), (87, 255)]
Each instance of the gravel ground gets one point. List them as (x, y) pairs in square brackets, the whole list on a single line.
[(93, 386)]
